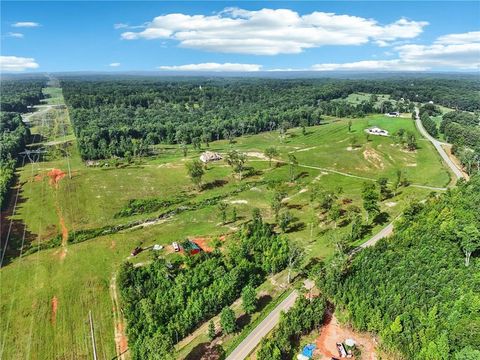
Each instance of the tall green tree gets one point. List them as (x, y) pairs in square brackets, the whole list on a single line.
[(270, 153), (292, 166), (249, 299), (228, 321), (370, 198), (195, 172), (237, 161)]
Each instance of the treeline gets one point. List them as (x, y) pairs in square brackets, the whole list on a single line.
[(13, 137), (118, 117), (418, 290), (164, 302), (425, 113), (462, 130), (301, 319), (17, 95)]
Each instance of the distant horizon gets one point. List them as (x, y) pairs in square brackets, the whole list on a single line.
[(250, 37)]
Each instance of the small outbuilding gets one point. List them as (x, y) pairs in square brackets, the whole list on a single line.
[(209, 156)]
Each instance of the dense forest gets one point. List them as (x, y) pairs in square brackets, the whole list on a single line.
[(418, 289), (118, 117), (163, 302), (17, 95)]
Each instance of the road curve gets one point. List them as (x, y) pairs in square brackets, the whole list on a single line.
[(438, 145), (254, 338)]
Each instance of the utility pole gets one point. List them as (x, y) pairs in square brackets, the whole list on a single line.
[(94, 347)]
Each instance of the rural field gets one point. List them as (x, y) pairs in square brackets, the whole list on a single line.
[(46, 295)]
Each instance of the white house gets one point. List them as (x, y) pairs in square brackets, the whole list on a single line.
[(208, 156), (393, 114), (377, 131)]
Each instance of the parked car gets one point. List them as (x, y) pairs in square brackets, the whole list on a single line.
[(176, 247), (136, 251)]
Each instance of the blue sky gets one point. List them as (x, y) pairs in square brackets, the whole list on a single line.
[(240, 36)]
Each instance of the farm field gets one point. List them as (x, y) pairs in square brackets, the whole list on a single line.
[(73, 279)]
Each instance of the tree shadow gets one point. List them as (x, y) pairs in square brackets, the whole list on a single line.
[(295, 206), (206, 351), (298, 226), (263, 301), (214, 184), (302, 175), (381, 218), (243, 321)]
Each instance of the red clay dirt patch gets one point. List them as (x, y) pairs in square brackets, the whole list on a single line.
[(54, 309), (38, 177), (332, 332), (55, 176), (203, 242)]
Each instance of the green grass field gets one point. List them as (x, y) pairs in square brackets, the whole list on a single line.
[(76, 279)]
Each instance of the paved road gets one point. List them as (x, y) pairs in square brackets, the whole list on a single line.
[(254, 338), (438, 145)]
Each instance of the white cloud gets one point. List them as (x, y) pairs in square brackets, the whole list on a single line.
[(16, 64), (369, 65), (114, 64), (27, 24), (272, 31), (453, 51), (465, 38), (213, 67), (15, 35)]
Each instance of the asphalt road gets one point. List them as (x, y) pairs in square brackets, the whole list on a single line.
[(254, 338), (438, 145)]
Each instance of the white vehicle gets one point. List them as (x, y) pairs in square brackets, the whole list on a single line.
[(157, 247), (176, 247)]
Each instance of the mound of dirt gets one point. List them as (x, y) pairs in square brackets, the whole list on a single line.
[(55, 176)]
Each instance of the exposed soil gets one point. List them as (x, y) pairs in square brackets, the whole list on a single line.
[(121, 341), (374, 158), (257, 155), (203, 243), (332, 332), (55, 176), (54, 309)]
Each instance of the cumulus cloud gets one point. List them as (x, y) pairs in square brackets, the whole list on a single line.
[(213, 67), (114, 64), (15, 35), (272, 31), (453, 51), (27, 24), (16, 64)]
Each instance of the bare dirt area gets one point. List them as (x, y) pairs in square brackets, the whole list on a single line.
[(55, 176), (374, 158), (54, 310), (203, 242), (332, 332), (121, 341)]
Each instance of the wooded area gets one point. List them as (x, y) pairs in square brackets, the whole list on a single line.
[(164, 302), (16, 97), (418, 289), (117, 117)]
